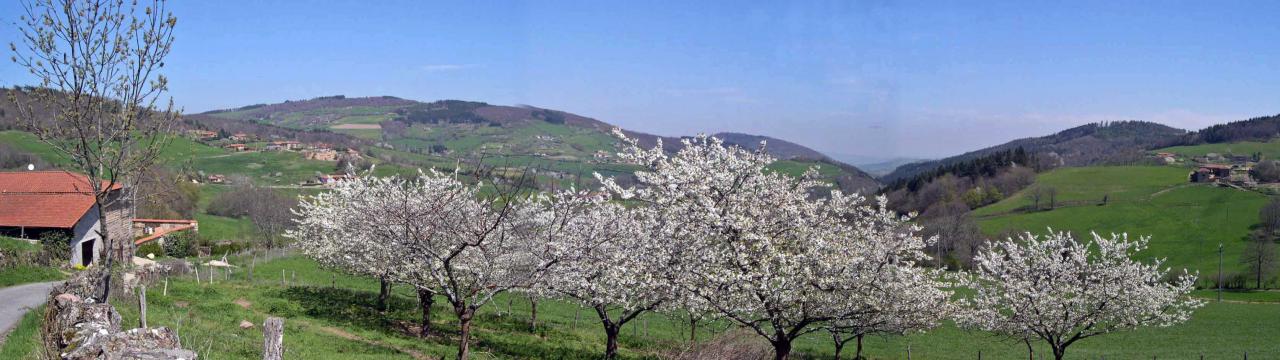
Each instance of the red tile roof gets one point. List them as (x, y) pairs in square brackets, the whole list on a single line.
[(164, 221), (161, 232), (50, 199)]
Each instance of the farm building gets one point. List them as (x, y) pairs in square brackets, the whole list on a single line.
[(236, 147), (202, 134), (147, 230), (321, 154), (284, 145), (36, 203), (330, 180), (1211, 172)]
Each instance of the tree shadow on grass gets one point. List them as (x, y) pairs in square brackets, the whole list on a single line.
[(505, 336)]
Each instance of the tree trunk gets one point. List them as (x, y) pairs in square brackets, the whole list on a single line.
[(1059, 352), (425, 300), (384, 292), (106, 253), (533, 314), (693, 330), (611, 343), (858, 356), (464, 326), (839, 344), (1031, 352), (781, 348)]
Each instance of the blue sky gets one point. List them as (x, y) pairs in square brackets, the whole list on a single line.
[(883, 78)]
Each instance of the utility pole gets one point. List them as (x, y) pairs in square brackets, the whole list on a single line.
[(1219, 272)]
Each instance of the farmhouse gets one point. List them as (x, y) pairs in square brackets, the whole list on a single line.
[(1211, 172), (331, 180), (202, 134), (36, 203), (321, 154), (284, 145), (240, 137), (236, 147)]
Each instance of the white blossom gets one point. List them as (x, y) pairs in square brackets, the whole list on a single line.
[(1061, 291), (759, 248)]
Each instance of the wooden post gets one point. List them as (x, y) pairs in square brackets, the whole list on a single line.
[(283, 278), (908, 351), (197, 268), (273, 339), (211, 277), (166, 286), (252, 262), (646, 326), (142, 306), (293, 277)]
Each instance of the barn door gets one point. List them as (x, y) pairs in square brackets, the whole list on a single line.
[(86, 252)]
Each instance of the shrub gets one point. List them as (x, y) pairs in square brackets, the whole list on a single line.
[(55, 248), (180, 244), (150, 248)]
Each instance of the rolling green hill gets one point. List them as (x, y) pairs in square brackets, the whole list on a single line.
[(1186, 222), (563, 145)]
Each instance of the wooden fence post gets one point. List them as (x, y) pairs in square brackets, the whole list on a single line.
[(273, 339), (283, 278), (142, 306), (252, 262), (197, 269), (166, 286)]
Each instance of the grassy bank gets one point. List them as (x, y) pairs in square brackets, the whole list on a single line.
[(23, 341)]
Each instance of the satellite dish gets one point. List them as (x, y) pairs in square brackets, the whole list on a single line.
[(31, 167)]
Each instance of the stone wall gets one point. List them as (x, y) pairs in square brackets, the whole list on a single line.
[(119, 221), (77, 328)]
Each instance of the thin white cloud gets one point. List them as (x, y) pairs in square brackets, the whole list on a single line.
[(447, 67)]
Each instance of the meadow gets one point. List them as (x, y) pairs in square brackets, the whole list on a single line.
[(1186, 222), (330, 315), (1268, 150)]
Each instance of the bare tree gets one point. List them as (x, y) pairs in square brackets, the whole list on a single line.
[(1260, 256), (98, 65), (1269, 216)]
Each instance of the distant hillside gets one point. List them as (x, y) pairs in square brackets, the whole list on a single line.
[(883, 168), (421, 132), (1263, 129), (1091, 144)]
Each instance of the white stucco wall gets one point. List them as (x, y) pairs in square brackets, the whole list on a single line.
[(83, 231)]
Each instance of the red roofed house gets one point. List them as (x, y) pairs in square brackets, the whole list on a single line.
[(33, 203), (148, 230)]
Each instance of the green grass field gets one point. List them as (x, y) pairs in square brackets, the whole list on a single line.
[(1116, 183), (1186, 222), (1269, 150), (340, 323)]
